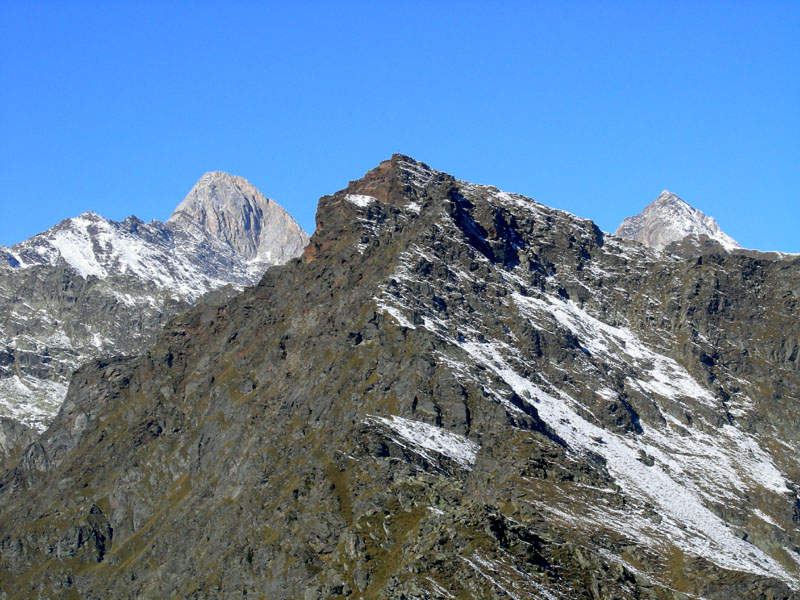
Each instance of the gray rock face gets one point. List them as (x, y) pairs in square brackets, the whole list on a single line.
[(53, 320), (253, 226), (91, 286), (455, 392), (14, 436), (669, 219)]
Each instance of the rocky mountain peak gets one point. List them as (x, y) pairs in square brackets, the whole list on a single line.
[(666, 197), (233, 210), (393, 180), (670, 219), (216, 190), (228, 206), (672, 203), (397, 185)]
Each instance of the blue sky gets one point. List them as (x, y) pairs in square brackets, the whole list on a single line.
[(592, 107)]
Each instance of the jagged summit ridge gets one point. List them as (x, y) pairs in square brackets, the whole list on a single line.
[(670, 219), (224, 232)]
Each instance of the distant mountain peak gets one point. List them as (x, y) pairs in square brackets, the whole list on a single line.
[(218, 190), (667, 197), (235, 211), (670, 219)]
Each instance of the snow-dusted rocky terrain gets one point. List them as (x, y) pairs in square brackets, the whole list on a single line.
[(92, 287), (457, 393), (686, 447)]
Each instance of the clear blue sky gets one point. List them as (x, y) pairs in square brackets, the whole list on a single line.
[(593, 107)]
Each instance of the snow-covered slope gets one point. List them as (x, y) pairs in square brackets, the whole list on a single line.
[(669, 219), (91, 286)]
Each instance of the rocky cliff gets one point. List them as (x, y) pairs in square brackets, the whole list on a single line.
[(455, 393)]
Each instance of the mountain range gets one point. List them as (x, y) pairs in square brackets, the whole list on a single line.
[(92, 287), (455, 392)]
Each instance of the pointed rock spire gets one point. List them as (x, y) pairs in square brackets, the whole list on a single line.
[(233, 210), (669, 219)]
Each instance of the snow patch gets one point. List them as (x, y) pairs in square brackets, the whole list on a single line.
[(396, 314), (423, 437), (31, 401), (618, 345), (360, 200)]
